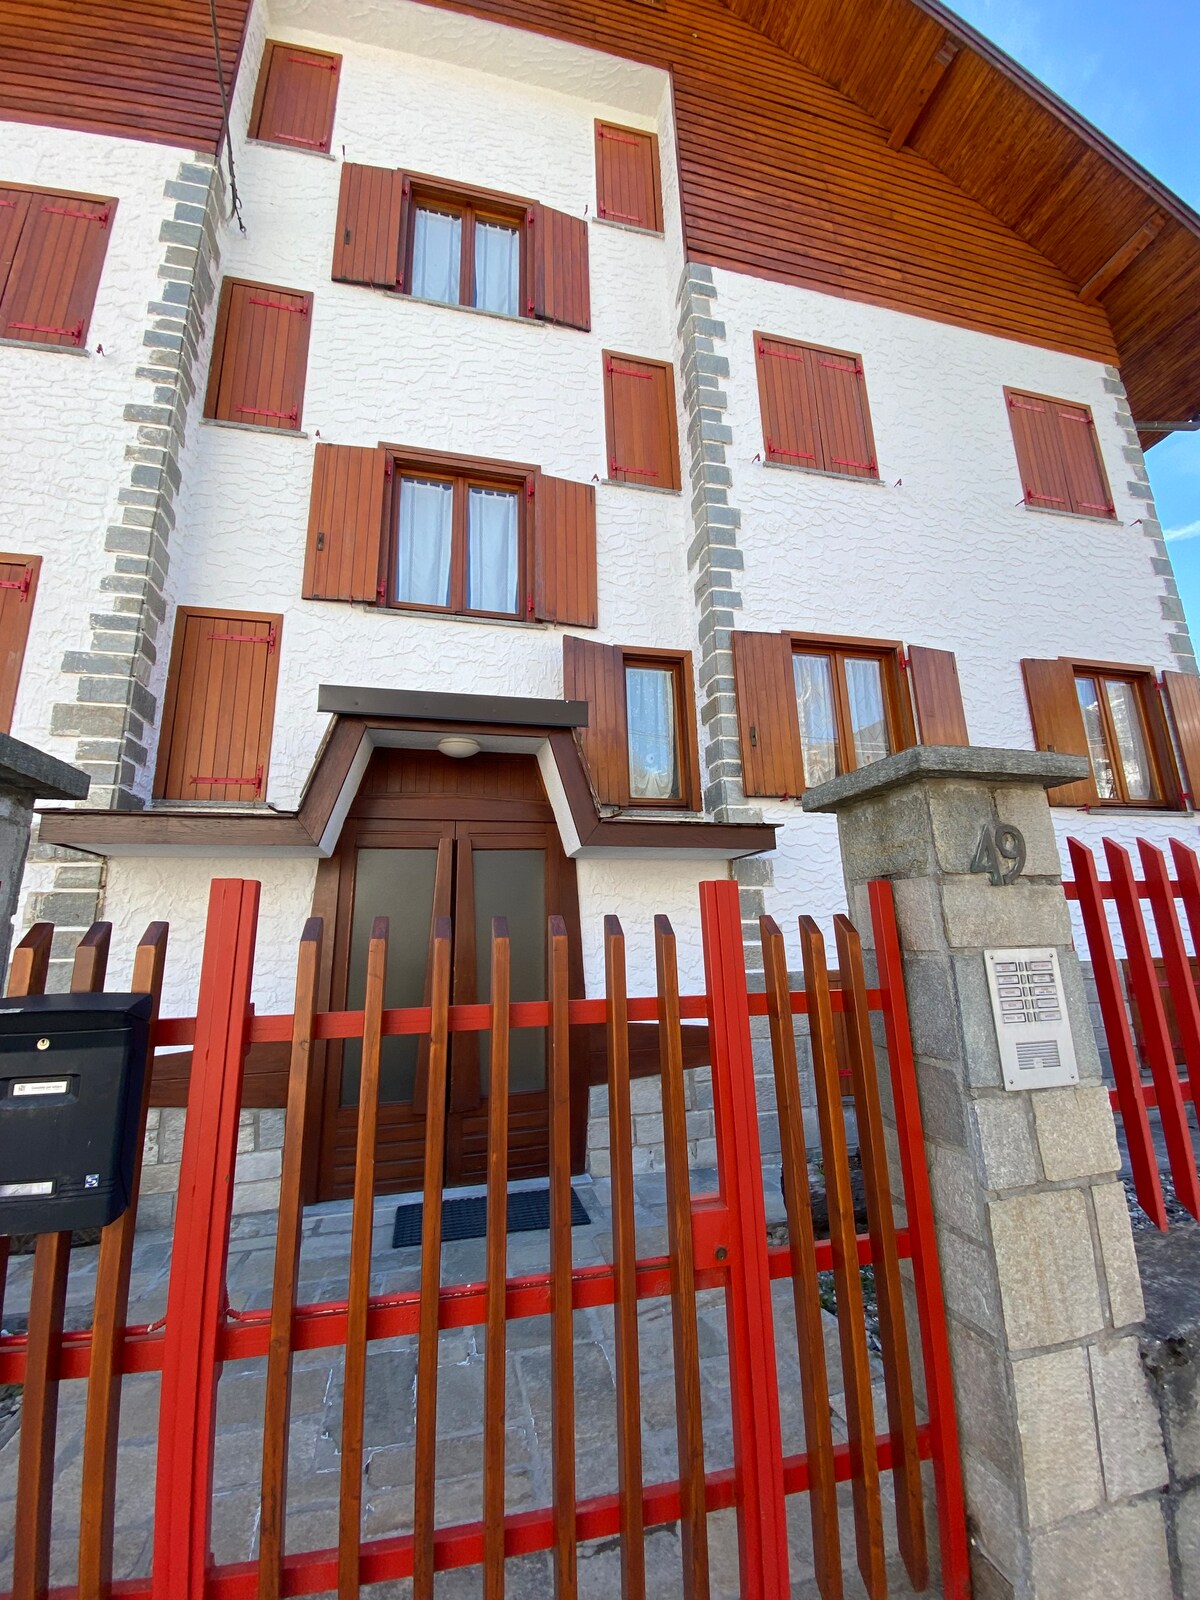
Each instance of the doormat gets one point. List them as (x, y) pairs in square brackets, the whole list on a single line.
[(528, 1212)]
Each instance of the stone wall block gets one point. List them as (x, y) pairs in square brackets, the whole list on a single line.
[(1121, 1275), (1006, 1142), (1076, 1134), (1046, 1266), (1131, 1446), (1115, 1557), (1058, 1435), (980, 916)]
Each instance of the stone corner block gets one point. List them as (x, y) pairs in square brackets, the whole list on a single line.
[(1131, 1442), (1117, 1254), (1058, 1435), (1049, 1290)]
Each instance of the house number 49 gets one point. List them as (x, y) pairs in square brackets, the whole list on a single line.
[(1000, 853)]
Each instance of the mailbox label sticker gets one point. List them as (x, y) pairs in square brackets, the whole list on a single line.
[(22, 1191), (41, 1086)]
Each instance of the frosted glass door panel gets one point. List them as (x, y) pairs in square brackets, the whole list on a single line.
[(512, 884)]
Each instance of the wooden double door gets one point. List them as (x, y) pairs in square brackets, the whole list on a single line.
[(469, 869)]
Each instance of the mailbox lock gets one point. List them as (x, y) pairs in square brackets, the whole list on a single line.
[(43, 1044)]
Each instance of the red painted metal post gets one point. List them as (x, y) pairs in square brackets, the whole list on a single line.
[(1176, 963), (757, 1435), (196, 1296), (931, 1310), (1187, 871)]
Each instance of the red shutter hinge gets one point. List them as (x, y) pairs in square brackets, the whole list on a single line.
[(388, 467), (1022, 405), (84, 216), (291, 416), (529, 608), (256, 780), (638, 472), (311, 61), (621, 216), (21, 585), (279, 305), (380, 593), (778, 355), (1033, 494), (778, 450), (529, 489), (855, 367), (626, 372), (902, 658), (617, 138), (75, 334), (267, 638), (295, 138), (841, 461)]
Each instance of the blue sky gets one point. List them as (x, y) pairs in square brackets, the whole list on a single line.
[(1132, 71)]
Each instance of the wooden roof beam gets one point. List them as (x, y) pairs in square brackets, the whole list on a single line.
[(923, 91), (1122, 258)]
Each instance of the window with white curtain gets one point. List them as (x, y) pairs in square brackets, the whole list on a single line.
[(457, 543), (1114, 721), (847, 703), (464, 256), (651, 702)]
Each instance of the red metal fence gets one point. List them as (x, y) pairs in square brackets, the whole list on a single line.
[(716, 1241), (1148, 1003)]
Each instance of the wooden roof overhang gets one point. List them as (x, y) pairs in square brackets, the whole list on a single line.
[(946, 94), (361, 720)]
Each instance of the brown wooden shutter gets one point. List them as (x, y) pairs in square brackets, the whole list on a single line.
[(345, 523), (937, 696), (260, 355), (1058, 723), (639, 413), (14, 209), (18, 585), (768, 722), (628, 188), (844, 419), (295, 96), (54, 267), (560, 281), (1087, 484), (366, 244), (1035, 435), (1182, 692), (220, 704), (689, 747), (564, 551), (789, 404), (596, 673)]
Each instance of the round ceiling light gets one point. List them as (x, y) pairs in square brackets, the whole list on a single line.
[(458, 746)]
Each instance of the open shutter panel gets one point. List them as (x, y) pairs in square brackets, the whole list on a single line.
[(564, 551), (345, 523), (643, 442), (596, 673), (1182, 691), (768, 722), (1087, 485), (789, 412), (260, 356), (1035, 435), (216, 734), (628, 189), (55, 271), (295, 97), (560, 278), (14, 209), (18, 585), (366, 245), (1058, 723), (844, 420), (937, 696)]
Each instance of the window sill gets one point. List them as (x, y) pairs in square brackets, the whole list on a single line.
[(1116, 808), (642, 488), (630, 227), (252, 427), (821, 472), (450, 305), (253, 808), (293, 149), (1075, 516), (448, 616), (37, 344)]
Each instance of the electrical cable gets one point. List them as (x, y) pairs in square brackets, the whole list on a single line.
[(235, 203)]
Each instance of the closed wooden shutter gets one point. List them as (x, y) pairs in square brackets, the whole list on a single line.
[(847, 444), (220, 704), (1182, 691), (367, 243), (768, 722), (345, 523), (788, 399), (1058, 723), (18, 585), (596, 673), (560, 278), (52, 249), (639, 413), (1087, 484), (937, 696), (564, 551), (295, 96), (1035, 436), (260, 355), (628, 188)]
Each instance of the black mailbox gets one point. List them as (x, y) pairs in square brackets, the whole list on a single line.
[(72, 1068)]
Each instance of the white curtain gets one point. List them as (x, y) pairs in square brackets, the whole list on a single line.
[(818, 725), (1131, 744), (653, 747), (437, 255), (423, 543), (497, 268), (492, 550), (1087, 691), (868, 719)]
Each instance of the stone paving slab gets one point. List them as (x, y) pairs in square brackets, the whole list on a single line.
[(314, 1458)]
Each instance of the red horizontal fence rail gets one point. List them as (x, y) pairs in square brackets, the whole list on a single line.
[(1151, 1020), (716, 1241)]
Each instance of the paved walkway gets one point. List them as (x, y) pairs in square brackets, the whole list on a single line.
[(316, 1410)]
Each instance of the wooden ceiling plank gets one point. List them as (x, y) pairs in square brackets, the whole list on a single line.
[(923, 91), (1116, 264)]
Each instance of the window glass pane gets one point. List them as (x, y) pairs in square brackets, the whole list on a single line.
[(492, 550), (818, 723), (437, 255), (423, 541), (1089, 703), (512, 884), (868, 713), (396, 884), (653, 737), (1131, 741), (497, 268)]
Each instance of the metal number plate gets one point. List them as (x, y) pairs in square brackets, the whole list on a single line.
[(1000, 853)]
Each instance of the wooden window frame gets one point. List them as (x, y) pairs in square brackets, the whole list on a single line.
[(1071, 509), (613, 130), (260, 98), (897, 697), (823, 462), (472, 205), (12, 660), (679, 664), (465, 472), (1166, 795)]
